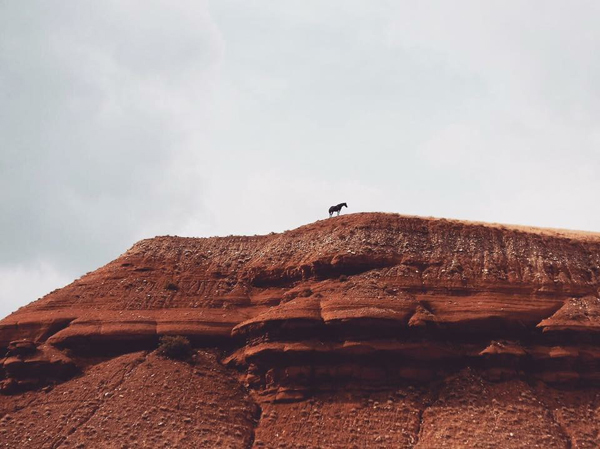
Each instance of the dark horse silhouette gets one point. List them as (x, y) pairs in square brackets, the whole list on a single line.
[(337, 209)]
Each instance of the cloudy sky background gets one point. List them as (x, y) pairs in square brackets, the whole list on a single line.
[(121, 120)]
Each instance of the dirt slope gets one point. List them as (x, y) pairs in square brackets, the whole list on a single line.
[(365, 330)]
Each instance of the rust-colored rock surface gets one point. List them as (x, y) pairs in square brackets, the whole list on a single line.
[(364, 330)]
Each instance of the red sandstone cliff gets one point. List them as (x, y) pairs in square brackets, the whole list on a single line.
[(365, 330)]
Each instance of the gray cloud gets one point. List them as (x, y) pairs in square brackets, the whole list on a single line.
[(123, 120), (97, 105)]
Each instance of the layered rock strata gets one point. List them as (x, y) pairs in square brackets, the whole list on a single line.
[(352, 308), (29, 366)]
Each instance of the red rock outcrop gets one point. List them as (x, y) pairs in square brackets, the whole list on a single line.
[(365, 330), (29, 366)]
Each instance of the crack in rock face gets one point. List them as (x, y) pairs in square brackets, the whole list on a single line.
[(364, 330)]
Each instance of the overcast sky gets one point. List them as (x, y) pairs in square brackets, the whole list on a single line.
[(121, 120)]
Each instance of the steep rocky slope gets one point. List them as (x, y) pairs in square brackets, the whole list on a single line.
[(365, 330)]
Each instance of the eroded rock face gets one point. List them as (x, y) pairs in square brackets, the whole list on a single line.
[(402, 311), (136, 400), (28, 366)]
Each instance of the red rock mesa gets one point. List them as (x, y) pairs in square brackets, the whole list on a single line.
[(364, 330)]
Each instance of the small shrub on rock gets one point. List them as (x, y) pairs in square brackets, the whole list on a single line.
[(171, 286), (175, 347)]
